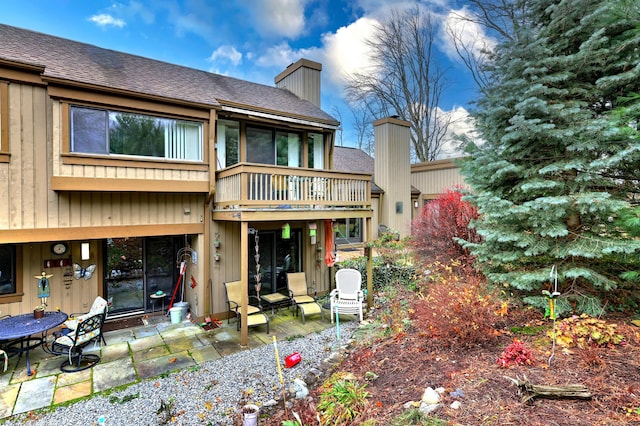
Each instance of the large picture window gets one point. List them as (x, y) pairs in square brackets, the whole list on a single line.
[(103, 132)]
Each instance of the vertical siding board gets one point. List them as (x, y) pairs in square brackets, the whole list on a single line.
[(15, 177), (42, 160), (28, 150), (53, 220), (142, 208), (4, 196)]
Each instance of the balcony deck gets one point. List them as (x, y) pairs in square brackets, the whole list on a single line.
[(246, 190)]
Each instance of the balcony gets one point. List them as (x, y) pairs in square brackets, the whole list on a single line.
[(246, 188)]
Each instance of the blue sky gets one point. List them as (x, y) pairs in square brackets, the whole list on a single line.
[(248, 39)]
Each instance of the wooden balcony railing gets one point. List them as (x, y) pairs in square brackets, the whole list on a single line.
[(256, 186)]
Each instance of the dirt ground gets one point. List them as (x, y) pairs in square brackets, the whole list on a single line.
[(407, 363)]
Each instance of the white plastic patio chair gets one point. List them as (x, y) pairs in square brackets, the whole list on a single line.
[(347, 297)]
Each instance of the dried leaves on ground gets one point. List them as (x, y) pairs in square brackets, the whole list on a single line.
[(397, 366)]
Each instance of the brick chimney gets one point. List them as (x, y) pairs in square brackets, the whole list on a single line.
[(302, 79)]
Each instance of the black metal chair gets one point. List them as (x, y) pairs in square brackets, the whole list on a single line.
[(3, 344), (99, 305), (72, 345)]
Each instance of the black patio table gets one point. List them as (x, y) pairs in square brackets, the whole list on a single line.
[(19, 330)]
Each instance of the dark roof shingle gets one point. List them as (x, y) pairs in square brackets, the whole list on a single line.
[(84, 63)]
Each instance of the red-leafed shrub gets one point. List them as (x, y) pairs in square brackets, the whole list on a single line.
[(440, 223), (458, 310), (516, 353)]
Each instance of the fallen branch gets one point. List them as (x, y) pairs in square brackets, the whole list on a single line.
[(529, 391)]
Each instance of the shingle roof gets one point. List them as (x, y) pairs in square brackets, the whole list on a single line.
[(356, 160), (348, 159), (84, 63)]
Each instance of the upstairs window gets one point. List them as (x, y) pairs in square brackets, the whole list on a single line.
[(270, 146), (103, 132), (316, 150), (228, 143)]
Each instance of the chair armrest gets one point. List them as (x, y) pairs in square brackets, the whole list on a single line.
[(333, 293), (235, 305)]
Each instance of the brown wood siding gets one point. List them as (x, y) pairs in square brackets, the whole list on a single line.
[(432, 182), (28, 202)]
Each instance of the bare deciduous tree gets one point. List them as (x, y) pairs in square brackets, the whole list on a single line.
[(362, 124), (404, 80), (499, 20)]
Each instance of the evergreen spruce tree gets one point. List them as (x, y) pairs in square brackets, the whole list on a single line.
[(560, 157)]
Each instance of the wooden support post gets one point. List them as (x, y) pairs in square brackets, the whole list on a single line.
[(244, 267), (369, 268)]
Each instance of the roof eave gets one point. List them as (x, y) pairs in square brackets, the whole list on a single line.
[(130, 93), (280, 116)]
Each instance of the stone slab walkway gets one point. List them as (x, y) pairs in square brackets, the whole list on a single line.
[(133, 355)]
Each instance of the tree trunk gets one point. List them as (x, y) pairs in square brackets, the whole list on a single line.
[(529, 391)]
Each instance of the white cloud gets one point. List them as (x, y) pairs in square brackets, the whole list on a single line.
[(135, 8), (227, 53), (461, 124), (279, 18), (346, 51), (282, 55), (105, 20), (470, 34)]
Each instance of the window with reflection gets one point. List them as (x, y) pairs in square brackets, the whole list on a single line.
[(315, 145), (7, 270), (104, 132), (348, 231), (271, 146), (228, 143)]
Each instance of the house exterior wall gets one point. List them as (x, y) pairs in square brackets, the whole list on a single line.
[(434, 177), (92, 201), (49, 194), (392, 173)]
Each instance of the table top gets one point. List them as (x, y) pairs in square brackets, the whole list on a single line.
[(24, 325), (274, 297)]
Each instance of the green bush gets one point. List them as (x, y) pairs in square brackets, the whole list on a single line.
[(342, 399), (383, 275)]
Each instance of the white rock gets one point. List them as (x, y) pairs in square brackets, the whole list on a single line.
[(429, 408), (300, 388), (411, 404), (456, 405), (430, 396)]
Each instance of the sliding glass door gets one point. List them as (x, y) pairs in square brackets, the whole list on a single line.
[(137, 268), (277, 256)]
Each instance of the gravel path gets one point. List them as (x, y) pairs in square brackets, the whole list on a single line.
[(210, 394)]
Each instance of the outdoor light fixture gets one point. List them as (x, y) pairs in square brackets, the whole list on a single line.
[(415, 204), (84, 251)]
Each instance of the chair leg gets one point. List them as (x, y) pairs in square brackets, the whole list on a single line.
[(80, 363)]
